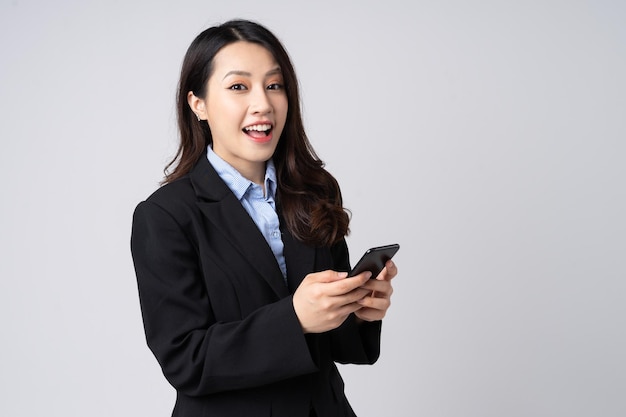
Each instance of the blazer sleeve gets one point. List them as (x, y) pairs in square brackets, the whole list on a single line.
[(198, 354), (352, 342)]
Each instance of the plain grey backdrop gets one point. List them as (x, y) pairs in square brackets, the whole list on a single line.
[(486, 137)]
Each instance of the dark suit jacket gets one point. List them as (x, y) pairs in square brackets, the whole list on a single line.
[(220, 319)]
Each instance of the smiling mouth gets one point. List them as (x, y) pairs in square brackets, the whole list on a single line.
[(258, 131)]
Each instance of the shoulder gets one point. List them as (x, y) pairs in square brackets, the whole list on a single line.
[(181, 189), (176, 199)]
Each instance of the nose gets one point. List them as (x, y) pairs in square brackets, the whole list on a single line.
[(260, 102)]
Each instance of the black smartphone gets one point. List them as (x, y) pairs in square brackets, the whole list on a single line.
[(374, 260)]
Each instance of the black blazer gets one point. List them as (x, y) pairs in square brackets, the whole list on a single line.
[(218, 315)]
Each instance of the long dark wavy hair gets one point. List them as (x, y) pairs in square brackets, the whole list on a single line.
[(308, 196)]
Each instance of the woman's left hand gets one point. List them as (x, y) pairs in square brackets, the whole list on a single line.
[(374, 305)]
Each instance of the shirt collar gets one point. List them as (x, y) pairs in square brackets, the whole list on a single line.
[(238, 184)]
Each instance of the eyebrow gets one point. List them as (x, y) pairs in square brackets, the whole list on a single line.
[(274, 71)]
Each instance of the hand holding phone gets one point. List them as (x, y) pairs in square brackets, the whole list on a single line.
[(374, 260)]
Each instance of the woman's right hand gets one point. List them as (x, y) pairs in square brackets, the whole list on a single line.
[(325, 299)]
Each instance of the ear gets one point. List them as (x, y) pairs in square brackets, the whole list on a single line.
[(197, 105)]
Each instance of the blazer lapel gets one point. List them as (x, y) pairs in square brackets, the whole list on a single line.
[(227, 215)]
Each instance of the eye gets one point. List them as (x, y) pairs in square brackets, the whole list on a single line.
[(238, 87), (275, 86)]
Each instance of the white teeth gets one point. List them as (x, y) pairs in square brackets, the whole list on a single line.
[(259, 128)]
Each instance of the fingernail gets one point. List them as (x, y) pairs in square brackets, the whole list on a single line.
[(343, 274)]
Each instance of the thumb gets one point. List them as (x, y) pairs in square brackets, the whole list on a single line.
[(330, 276)]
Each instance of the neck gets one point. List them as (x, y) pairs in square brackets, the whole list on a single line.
[(256, 174)]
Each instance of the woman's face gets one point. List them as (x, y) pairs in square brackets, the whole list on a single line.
[(245, 106)]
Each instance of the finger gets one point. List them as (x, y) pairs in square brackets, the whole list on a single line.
[(353, 297), (344, 286), (380, 304), (389, 271), (369, 314), (351, 308), (381, 288), (338, 315), (356, 295), (327, 276)]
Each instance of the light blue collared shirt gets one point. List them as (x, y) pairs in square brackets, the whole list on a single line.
[(262, 208)]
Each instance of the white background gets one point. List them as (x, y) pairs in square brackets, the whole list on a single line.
[(487, 138)]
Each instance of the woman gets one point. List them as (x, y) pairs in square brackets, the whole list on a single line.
[(240, 256)]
